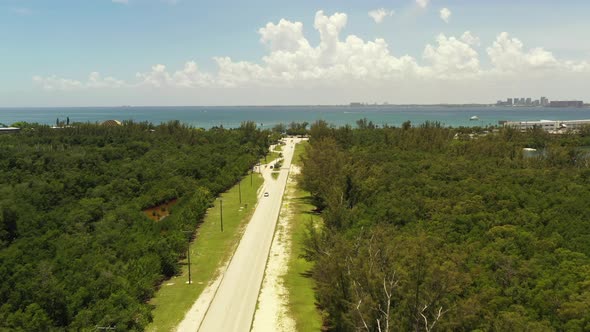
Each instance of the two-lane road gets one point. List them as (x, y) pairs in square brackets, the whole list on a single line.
[(233, 306)]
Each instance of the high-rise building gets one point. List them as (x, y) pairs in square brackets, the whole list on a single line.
[(504, 103), (544, 101), (528, 102), (522, 101), (515, 101)]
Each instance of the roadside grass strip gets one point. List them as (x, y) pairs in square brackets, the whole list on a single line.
[(301, 299), (299, 151), (269, 157), (300, 286), (209, 251)]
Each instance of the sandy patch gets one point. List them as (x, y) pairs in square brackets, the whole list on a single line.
[(294, 171), (272, 311)]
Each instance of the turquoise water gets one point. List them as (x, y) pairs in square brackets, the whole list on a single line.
[(268, 116)]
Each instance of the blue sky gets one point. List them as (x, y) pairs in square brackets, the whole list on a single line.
[(61, 40)]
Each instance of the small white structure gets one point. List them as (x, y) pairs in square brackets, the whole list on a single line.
[(9, 130), (552, 126), (112, 123)]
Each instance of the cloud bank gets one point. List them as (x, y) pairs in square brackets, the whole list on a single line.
[(336, 60)]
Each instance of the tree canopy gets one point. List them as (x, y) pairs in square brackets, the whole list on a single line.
[(75, 250), (430, 228)]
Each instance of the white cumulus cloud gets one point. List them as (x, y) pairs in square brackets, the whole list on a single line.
[(470, 39), (189, 77), (378, 15), (451, 58), (578, 66), (157, 77), (445, 14), (95, 80), (508, 55), (293, 60), (284, 36), (422, 3), (57, 83)]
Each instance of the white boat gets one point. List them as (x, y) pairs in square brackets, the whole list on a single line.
[(475, 117)]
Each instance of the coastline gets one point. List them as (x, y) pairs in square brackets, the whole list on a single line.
[(268, 116)]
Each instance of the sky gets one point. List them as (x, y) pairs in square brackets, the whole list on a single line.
[(305, 52)]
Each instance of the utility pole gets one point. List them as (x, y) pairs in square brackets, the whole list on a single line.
[(251, 175), (188, 255), (221, 209), (240, 190)]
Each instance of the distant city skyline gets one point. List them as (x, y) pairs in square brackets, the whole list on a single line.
[(543, 101), (182, 52)]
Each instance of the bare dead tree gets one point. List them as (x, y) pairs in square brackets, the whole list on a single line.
[(358, 305), (438, 315), (389, 283)]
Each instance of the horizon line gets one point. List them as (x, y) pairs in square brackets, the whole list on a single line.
[(261, 105)]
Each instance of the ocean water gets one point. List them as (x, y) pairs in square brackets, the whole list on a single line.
[(268, 116)]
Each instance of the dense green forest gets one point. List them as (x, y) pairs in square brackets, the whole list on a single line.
[(75, 250), (430, 228)]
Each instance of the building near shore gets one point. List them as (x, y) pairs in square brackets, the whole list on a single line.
[(543, 101), (551, 126), (112, 123), (566, 103), (9, 130)]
